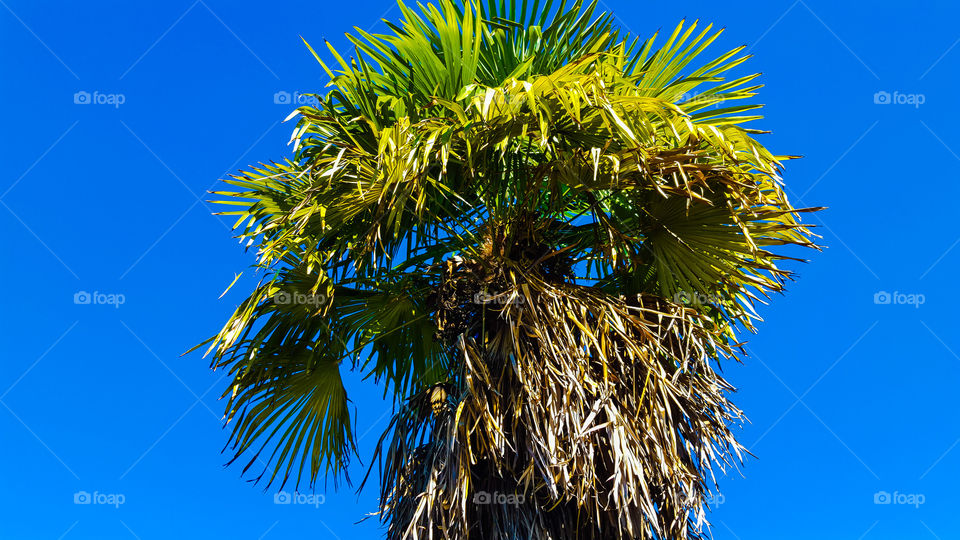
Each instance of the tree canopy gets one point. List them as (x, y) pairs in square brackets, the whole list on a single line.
[(542, 236)]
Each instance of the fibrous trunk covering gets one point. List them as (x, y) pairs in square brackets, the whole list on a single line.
[(574, 414)]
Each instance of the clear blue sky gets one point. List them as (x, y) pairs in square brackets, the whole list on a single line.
[(848, 398)]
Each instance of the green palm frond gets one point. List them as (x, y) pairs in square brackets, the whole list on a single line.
[(542, 236)]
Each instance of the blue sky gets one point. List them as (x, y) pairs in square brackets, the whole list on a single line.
[(849, 386)]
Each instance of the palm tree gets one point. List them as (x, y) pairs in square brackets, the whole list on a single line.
[(542, 237)]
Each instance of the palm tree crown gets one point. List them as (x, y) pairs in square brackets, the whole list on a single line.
[(541, 236)]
